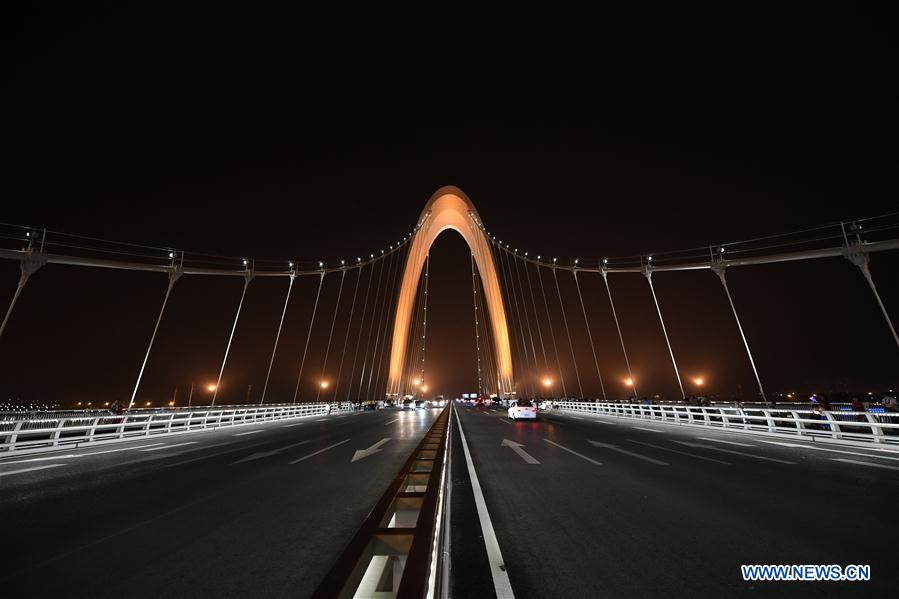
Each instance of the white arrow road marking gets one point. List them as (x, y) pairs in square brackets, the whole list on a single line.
[(626, 452), (32, 469), (726, 442), (692, 455), (580, 455), (860, 463), (748, 455), (315, 453), (265, 454), (364, 453), (518, 448)]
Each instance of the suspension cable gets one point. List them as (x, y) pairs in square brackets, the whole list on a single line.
[(627, 363), (424, 329), (527, 275), (527, 317), (491, 373), (589, 335), (308, 335), (477, 331), (510, 282), (277, 339), (568, 334), (330, 335), (371, 326), (346, 336), (375, 347), (243, 294), (392, 298), (371, 275), (551, 331)]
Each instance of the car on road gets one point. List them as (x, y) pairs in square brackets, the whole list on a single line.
[(420, 404), (407, 404), (522, 409)]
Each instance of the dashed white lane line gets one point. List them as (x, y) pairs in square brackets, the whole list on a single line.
[(294, 424), (249, 432), (861, 463), (315, 453), (170, 446), (742, 453), (726, 442), (626, 452), (506, 420), (651, 430), (571, 451), (692, 455), (322, 420), (501, 585), (32, 469), (391, 422)]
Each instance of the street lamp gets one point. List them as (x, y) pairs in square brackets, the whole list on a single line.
[(324, 384), (211, 387), (698, 381)]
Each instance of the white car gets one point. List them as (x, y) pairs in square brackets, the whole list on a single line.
[(522, 409)]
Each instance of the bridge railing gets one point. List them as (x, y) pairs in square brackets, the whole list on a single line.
[(881, 428), (34, 431)]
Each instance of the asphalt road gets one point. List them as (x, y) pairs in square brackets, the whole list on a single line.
[(248, 511), (654, 510)]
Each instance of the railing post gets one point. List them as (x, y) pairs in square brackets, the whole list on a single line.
[(876, 430)]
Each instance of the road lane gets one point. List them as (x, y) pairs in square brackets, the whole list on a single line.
[(633, 528), (199, 525)]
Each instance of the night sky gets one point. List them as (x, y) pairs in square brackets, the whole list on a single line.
[(293, 135)]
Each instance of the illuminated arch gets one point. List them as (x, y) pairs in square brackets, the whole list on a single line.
[(450, 208)]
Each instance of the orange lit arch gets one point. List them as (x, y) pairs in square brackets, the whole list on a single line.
[(450, 208)]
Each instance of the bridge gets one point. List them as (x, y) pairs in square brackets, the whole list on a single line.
[(358, 478)]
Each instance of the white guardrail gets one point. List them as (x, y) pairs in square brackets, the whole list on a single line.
[(882, 428), (46, 430)]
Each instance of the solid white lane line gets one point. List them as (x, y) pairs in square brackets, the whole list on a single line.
[(576, 417), (726, 442), (249, 433), (140, 447), (506, 420), (391, 422), (651, 430), (817, 448), (692, 455), (742, 453), (76, 455), (170, 446), (626, 452), (501, 584), (580, 455), (32, 469), (861, 463), (294, 424), (315, 453), (322, 420)]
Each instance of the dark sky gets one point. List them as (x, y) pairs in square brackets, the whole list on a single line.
[(295, 135)]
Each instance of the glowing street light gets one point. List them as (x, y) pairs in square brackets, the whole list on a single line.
[(324, 384), (629, 382), (211, 387), (416, 382), (424, 389), (547, 382), (699, 381)]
